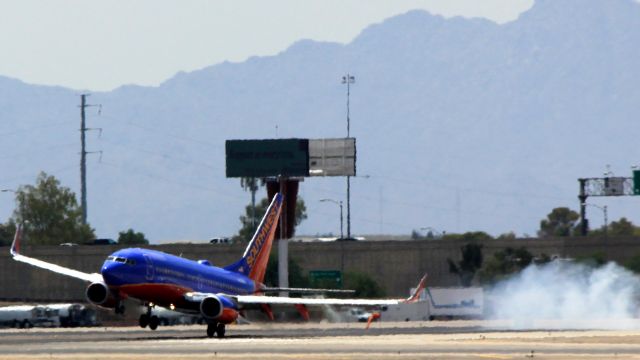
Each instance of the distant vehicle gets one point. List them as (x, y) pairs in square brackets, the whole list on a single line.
[(69, 244), (220, 240), (168, 317), (25, 316), (358, 314), (417, 311), (102, 242), (72, 315), (351, 239)]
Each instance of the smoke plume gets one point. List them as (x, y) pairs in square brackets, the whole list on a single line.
[(567, 295)]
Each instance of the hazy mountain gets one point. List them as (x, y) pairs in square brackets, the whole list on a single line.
[(461, 124)]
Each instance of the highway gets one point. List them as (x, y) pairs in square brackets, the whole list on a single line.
[(449, 340)]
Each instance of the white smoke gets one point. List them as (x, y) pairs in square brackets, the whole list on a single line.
[(567, 295)]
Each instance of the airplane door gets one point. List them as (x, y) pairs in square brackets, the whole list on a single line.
[(150, 270), (200, 282)]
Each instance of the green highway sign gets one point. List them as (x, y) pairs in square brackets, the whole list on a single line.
[(264, 158), (326, 278)]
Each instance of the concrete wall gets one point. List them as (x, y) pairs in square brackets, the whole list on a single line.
[(397, 265)]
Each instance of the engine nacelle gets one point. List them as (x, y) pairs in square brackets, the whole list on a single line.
[(211, 307), (99, 294)]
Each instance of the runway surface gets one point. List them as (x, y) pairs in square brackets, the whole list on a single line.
[(437, 340)]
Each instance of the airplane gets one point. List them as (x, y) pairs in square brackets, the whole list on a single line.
[(218, 294)]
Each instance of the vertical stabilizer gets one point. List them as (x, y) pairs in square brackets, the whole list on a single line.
[(254, 260)]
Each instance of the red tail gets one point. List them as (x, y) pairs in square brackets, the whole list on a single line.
[(254, 261)]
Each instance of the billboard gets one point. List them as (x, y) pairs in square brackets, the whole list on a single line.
[(265, 158), (614, 186), (332, 157)]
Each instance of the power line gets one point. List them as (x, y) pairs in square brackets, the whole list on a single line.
[(45, 126)]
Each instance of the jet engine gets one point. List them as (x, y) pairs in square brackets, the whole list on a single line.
[(212, 308), (98, 294)]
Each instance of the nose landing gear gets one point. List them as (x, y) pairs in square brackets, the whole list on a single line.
[(147, 319)]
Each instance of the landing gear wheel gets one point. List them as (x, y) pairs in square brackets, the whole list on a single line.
[(144, 320), (153, 322), (220, 330), (211, 329)]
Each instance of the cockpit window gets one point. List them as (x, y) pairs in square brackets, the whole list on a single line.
[(121, 260)]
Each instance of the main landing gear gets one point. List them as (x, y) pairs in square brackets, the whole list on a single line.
[(119, 309), (215, 328), (147, 319)]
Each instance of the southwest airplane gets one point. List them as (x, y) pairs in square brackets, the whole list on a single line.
[(193, 287)]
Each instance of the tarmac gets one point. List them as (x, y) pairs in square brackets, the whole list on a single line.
[(429, 340)]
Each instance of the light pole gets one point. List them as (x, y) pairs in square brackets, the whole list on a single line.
[(339, 203), (604, 212), (348, 79)]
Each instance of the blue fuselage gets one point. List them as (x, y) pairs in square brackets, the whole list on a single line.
[(164, 279)]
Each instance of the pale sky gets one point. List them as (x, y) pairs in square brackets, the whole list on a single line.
[(100, 45)]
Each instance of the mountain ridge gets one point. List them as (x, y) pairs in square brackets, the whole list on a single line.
[(462, 124)]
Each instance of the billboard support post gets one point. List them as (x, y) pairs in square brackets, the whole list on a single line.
[(283, 243)]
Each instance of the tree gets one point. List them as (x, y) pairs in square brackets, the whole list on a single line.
[(471, 236), (633, 263), (510, 236), (623, 227), (467, 267), (504, 263), (251, 184), (247, 230), (364, 285), (561, 221), (296, 275), (50, 213), (596, 259), (131, 237), (7, 231)]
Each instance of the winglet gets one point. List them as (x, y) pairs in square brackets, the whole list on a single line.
[(416, 294), (15, 245)]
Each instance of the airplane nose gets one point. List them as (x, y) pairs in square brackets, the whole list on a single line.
[(112, 272)]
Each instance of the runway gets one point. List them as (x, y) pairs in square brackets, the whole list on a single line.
[(436, 340)]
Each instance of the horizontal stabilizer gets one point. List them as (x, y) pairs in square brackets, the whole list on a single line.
[(306, 290), (256, 299)]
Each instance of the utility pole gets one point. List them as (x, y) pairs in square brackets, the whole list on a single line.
[(83, 160), (83, 155), (348, 79)]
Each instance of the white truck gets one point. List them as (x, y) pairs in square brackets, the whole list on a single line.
[(71, 315), (169, 317), (24, 316)]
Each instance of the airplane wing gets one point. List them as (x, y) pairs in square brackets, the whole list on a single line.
[(261, 299), (15, 252), (257, 299)]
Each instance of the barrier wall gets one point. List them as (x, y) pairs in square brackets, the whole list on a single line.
[(396, 265)]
